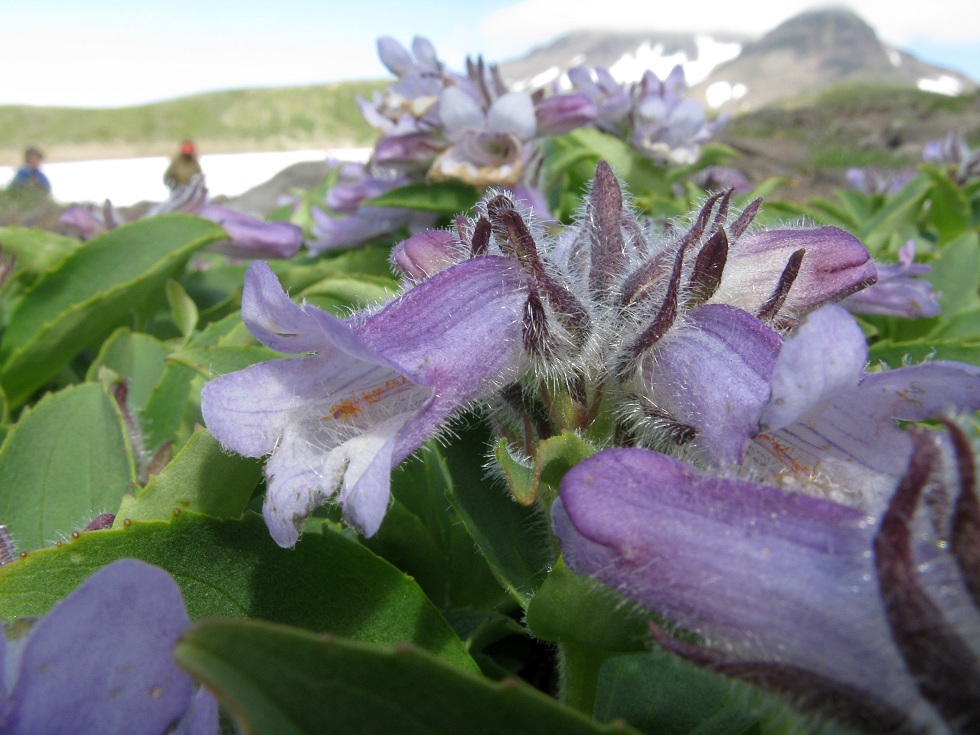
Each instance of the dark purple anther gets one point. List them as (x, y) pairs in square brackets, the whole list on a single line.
[(708, 268), (767, 312)]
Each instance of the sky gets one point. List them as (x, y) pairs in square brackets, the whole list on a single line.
[(115, 53)]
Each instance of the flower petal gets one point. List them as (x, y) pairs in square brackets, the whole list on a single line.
[(834, 265), (825, 356), (274, 319), (772, 575), (713, 374)]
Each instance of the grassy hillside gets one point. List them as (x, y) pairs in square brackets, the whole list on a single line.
[(237, 120)]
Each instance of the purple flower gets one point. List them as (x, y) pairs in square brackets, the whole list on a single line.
[(248, 236), (610, 99), (562, 113), (954, 152), (897, 293), (487, 145), (375, 388), (101, 661), (358, 183), (870, 620), (876, 181), (831, 425)]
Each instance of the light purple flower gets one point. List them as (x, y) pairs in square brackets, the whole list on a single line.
[(101, 661), (359, 223), (953, 151), (248, 236), (831, 425), (877, 181), (611, 100), (375, 388), (897, 292), (870, 621), (487, 145)]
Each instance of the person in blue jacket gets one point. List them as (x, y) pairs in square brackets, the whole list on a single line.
[(30, 176)]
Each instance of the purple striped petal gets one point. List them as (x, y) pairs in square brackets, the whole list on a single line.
[(712, 374), (250, 237), (835, 264), (768, 574), (337, 422)]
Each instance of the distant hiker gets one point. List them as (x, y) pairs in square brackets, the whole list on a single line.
[(29, 176), (183, 167)]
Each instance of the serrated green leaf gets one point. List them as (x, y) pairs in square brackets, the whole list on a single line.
[(36, 250), (285, 681), (202, 478), (227, 568), (662, 695), (92, 291), (896, 354), (66, 461), (444, 197)]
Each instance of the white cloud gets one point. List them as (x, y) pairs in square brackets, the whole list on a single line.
[(513, 28)]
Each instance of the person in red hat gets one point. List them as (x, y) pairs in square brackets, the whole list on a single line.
[(183, 167)]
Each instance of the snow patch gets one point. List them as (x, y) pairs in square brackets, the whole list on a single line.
[(719, 93), (126, 181), (945, 84), (894, 57), (710, 53)]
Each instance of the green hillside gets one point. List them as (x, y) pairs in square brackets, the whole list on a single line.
[(246, 119)]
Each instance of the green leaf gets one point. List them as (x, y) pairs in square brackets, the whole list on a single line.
[(516, 541), (422, 536), (223, 359), (92, 291), (135, 356), (182, 307), (662, 695), (444, 197), (955, 275), (568, 607), (899, 210), (202, 478), (279, 680), (67, 460), (896, 354), (171, 403), (229, 568), (949, 210), (37, 250), (339, 295), (554, 457)]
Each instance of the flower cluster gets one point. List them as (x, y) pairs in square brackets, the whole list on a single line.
[(656, 116), (436, 125), (687, 340), (954, 152)]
